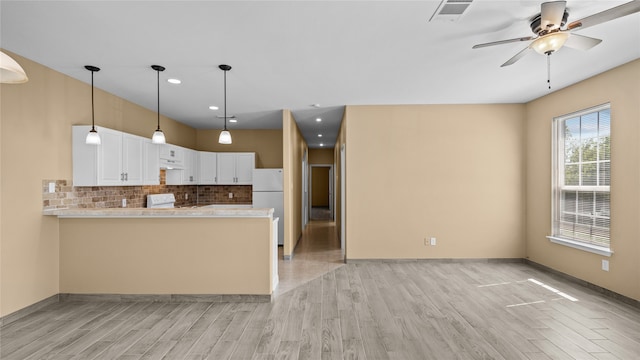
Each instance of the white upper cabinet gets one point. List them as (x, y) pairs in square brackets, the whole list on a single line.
[(208, 174), (132, 159), (191, 167), (245, 163), (226, 168), (235, 168), (171, 156), (151, 163), (185, 170), (117, 161)]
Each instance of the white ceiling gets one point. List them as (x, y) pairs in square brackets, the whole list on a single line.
[(292, 54)]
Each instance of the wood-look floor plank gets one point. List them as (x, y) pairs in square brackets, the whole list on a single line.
[(551, 350), (221, 316), (406, 310), (164, 324), (310, 344)]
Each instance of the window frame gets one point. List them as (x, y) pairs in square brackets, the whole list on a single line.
[(557, 178)]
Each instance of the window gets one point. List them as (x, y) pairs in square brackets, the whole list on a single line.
[(582, 179)]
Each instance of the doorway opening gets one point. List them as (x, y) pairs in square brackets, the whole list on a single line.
[(321, 193)]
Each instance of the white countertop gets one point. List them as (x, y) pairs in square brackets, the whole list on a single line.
[(207, 212)]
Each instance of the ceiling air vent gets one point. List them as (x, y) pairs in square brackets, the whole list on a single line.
[(450, 10)]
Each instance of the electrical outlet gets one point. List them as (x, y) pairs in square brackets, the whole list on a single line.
[(425, 242), (52, 187), (124, 202), (230, 195), (186, 196), (605, 265), (433, 241)]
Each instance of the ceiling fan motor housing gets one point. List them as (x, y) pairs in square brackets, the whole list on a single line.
[(537, 28)]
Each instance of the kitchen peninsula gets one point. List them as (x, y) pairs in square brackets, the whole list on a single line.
[(163, 253)]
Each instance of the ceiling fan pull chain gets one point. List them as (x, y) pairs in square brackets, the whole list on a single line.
[(549, 70)]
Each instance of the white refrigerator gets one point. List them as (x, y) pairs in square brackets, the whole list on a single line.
[(268, 185)]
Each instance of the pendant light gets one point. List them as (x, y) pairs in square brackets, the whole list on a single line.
[(92, 137), (10, 71), (225, 135), (158, 135)]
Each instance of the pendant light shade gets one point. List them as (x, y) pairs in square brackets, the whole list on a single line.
[(10, 71), (93, 138), (158, 135), (225, 135)]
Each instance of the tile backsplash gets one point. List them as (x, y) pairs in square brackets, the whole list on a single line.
[(68, 196)]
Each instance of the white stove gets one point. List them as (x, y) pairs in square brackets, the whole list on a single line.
[(160, 201)]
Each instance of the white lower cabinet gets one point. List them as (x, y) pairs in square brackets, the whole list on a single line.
[(117, 161)]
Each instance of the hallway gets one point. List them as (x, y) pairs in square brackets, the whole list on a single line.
[(318, 252)]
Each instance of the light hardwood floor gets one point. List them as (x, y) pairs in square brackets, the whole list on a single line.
[(402, 310)]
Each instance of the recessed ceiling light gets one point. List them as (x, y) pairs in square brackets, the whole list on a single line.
[(233, 120), (319, 135), (318, 119), (315, 105), (321, 144), (174, 81), (213, 107)]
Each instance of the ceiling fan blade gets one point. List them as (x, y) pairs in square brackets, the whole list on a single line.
[(517, 57), (527, 38), (581, 42), (551, 15), (607, 15)]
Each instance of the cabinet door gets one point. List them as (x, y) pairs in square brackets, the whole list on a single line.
[(226, 168), (208, 168), (151, 156), (132, 155), (110, 158), (245, 163), (189, 174)]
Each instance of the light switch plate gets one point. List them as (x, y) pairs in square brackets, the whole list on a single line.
[(605, 265), (52, 187), (433, 241), (124, 203), (230, 195)]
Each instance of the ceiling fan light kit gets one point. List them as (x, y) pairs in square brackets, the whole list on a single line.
[(549, 43), (10, 71), (552, 35)]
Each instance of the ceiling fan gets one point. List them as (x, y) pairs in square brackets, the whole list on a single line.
[(551, 33)]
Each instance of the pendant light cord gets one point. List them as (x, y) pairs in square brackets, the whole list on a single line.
[(158, 77), (93, 118), (225, 100)]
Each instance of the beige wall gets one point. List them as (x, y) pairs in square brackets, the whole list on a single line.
[(267, 144), (166, 256), (454, 172), (620, 87), (36, 119), (321, 156), (294, 148), (340, 141)]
